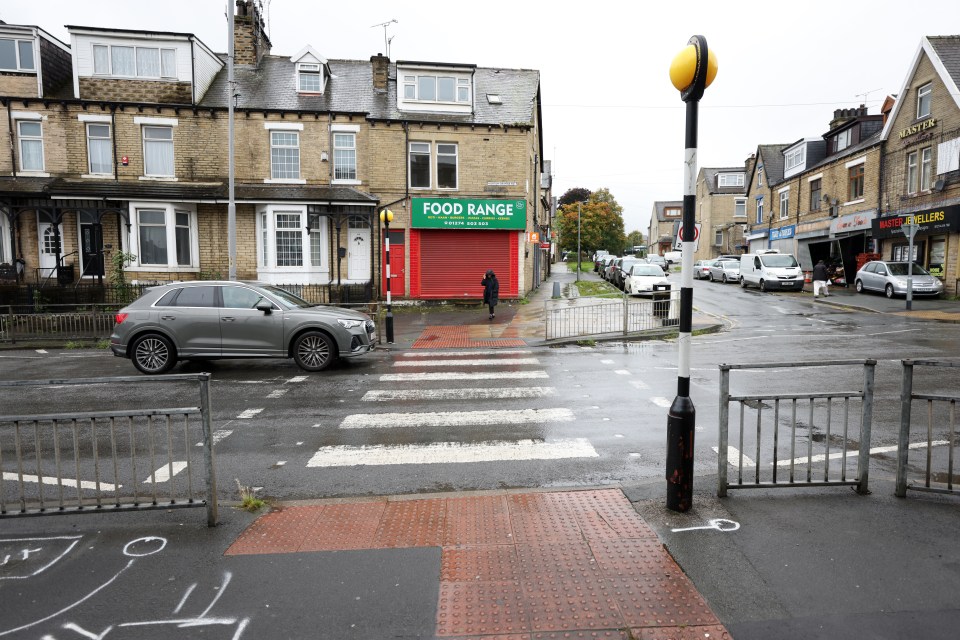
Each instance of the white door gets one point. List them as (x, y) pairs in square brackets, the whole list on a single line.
[(358, 249), (49, 249)]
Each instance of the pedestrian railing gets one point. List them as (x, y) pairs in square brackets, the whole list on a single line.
[(785, 451), (103, 461), (577, 317), (61, 322), (941, 433)]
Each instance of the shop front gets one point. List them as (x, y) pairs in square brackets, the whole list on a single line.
[(781, 239), (756, 241), (454, 241), (936, 243)]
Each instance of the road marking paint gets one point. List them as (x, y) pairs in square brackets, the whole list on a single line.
[(638, 384), (475, 352), (277, 393), (280, 463), (249, 413), (458, 394), (41, 350), (883, 333), (606, 361), (733, 457), (454, 418), (457, 375), (296, 379), (854, 454), (67, 482), (661, 402), (622, 372), (452, 452), (720, 524), (218, 436), (468, 363), (163, 473)]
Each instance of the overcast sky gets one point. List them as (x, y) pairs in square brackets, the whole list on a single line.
[(611, 117)]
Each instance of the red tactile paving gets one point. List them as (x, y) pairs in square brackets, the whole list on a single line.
[(537, 566), (453, 337)]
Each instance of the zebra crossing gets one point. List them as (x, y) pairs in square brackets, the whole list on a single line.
[(483, 374)]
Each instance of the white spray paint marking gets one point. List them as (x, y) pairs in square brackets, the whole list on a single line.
[(41, 350), (280, 463), (475, 352), (457, 375), (67, 482), (468, 363), (20, 555), (452, 452), (638, 384), (661, 402), (163, 473), (733, 457), (277, 393), (249, 413), (621, 372), (459, 394), (720, 524), (218, 435), (454, 418), (296, 379)]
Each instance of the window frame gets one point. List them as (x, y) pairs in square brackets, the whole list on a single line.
[(342, 152), (167, 67), (913, 171), (926, 168), (718, 238), (456, 165), (924, 99), (314, 249), (740, 204), (784, 200), (794, 158), (108, 139), (759, 210), (429, 161), (816, 193), (147, 170), (462, 88), (855, 177), (843, 137), (18, 55), (724, 179), (171, 225), (274, 165), (30, 138), (309, 70)]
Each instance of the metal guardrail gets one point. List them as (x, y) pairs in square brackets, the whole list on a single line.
[(126, 460), (771, 453), (934, 482), (63, 322), (578, 317)]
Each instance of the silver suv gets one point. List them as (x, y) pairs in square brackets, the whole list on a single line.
[(207, 320)]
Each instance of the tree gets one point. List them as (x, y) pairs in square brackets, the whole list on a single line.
[(634, 238), (601, 223), (574, 195)]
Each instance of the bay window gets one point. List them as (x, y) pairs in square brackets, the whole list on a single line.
[(164, 236)]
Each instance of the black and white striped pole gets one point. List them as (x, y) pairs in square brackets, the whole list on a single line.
[(691, 72), (386, 217)]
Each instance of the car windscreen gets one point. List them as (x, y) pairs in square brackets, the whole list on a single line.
[(628, 263), (647, 270), (729, 264), (779, 261), (286, 298), (900, 269)]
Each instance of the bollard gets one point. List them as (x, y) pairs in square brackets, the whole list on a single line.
[(556, 289)]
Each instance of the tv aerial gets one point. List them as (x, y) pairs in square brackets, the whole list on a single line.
[(386, 40)]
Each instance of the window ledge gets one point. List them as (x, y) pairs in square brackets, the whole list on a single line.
[(284, 181), (158, 178), (97, 176), (346, 182), (34, 174), (161, 269), (857, 201)]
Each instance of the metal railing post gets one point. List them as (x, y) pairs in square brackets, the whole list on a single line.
[(903, 443), (205, 408), (866, 422), (724, 431), (626, 317)]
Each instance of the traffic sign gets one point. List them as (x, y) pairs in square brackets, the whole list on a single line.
[(678, 243)]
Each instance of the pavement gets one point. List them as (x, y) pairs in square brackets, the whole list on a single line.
[(603, 562)]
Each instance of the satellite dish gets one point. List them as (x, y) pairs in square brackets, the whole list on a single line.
[(938, 185)]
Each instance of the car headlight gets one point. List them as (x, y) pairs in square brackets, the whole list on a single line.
[(901, 282), (349, 324)]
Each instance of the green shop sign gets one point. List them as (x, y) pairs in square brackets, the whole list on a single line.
[(460, 213)]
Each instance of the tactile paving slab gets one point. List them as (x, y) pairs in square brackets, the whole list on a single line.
[(464, 337), (478, 520), (280, 531), (412, 523)]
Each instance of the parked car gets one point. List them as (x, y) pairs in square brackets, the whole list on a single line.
[(891, 278), (725, 271), (701, 269), (604, 263), (608, 267), (658, 260), (206, 320), (623, 268), (673, 257), (770, 270), (642, 278)]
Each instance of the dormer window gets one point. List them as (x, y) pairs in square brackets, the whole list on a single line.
[(730, 180), (134, 62), (16, 55), (843, 140), (308, 78), (433, 88), (794, 158)]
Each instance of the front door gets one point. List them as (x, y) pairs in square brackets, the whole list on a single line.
[(50, 243), (91, 249), (358, 249), (397, 260)]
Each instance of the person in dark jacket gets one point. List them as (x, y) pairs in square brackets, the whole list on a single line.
[(821, 280), (491, 290)]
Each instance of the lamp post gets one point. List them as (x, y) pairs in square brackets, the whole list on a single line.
[(578, 242), (910, 230), (691, 71), (386, 217)]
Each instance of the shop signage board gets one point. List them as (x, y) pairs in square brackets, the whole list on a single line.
[(928, 221), (853, 222), (466, 213), (783, 232)]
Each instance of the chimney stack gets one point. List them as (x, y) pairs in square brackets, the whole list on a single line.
[(381, 66), (842, 116), (250, 41)]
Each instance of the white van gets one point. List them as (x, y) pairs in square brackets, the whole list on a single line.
[(770, 270)]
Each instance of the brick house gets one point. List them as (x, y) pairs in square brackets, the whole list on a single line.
[(664, 225), (721, 211), (765, 174), (134, 158)]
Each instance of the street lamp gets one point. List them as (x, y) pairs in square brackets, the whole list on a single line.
[(578, 241), (910, 230), (386, 217), (692, 71)]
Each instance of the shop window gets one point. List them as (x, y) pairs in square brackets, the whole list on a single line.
[(936, 259)]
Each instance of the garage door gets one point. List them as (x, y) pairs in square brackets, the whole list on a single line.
[(452, 263)]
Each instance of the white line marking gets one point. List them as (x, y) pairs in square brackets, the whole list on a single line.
[(452, 452), (720, 524), (67, 482), (41, 350), (249, 413), (733, 457), (820, 457), (459, 394), (218, 436), (467, 363), (457, 375), (606, 361), (621, 372), (296, 379), (476, 352), (661, 402), (280, 463), (163, 473), (883, 333), (454, 418), (639, 384), (277, 393)]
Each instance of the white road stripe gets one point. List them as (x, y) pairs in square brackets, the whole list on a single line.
[(639, 384), (218, 435), (67, 482), (249, 413), (454, 418), (276, 393), (459, 394), (297, 379), (475, 352), (452, 452), (40, 350), (467, 363), (606, 361), (457, 375), (621, 372), (163, 473), (661, 402), (733, 457)]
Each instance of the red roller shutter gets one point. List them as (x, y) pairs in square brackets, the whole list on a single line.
[(452, 263)]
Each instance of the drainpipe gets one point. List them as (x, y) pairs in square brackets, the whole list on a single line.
[(113, 131), (13, 151)]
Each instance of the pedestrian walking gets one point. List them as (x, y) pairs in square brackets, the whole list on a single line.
[(491, 291), (821, 280)]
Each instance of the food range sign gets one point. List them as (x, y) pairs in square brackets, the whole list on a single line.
[(464, 213)]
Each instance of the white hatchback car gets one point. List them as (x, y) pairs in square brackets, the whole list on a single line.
[(642, 278)]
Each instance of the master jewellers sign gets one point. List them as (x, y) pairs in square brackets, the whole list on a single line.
[(942, 220), (460, 213)]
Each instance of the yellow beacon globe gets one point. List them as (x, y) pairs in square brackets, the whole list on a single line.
[(684, 66)]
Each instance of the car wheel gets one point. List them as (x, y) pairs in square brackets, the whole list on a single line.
[(743, 283), (710, 277), (859, 286), (763, 285), (724, 279), (888, 290), (314, 351), (153, 354)]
